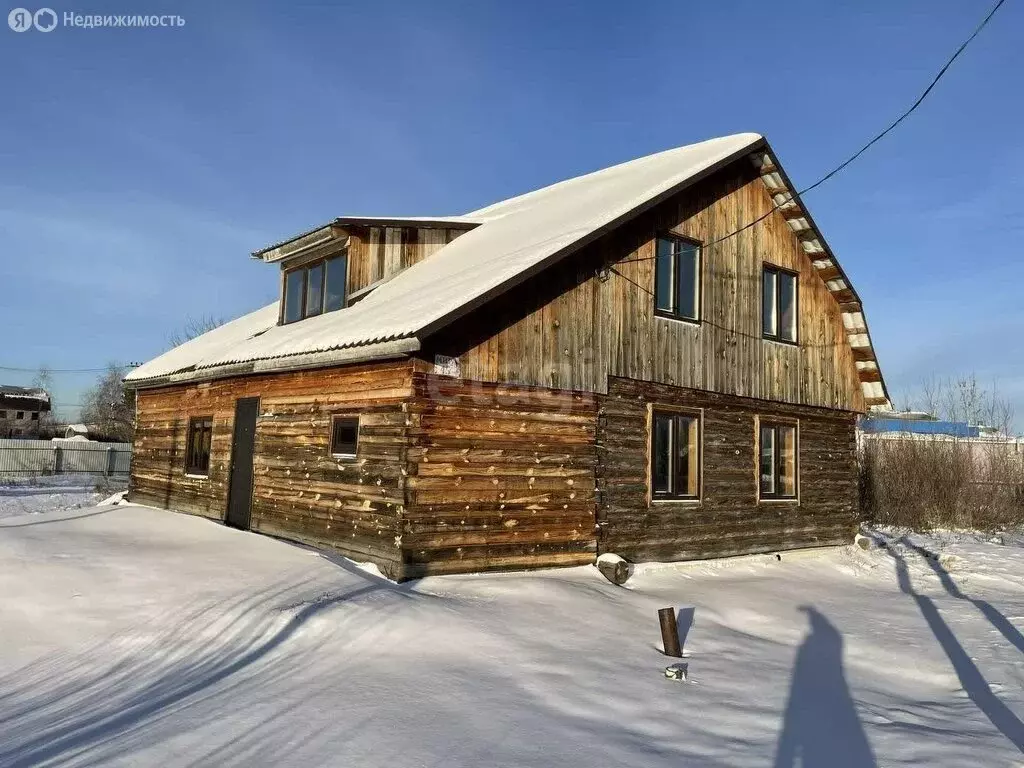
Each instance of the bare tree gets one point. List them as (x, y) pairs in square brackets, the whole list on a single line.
[(193, 327), (109, 408), (44, 380), (929, 397), (965, 399)]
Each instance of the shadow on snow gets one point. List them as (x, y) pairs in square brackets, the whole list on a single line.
[(106, 702), (821, 728), (971, 680)]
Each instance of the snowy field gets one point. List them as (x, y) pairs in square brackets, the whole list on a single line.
[(54, 493), (132, 636)]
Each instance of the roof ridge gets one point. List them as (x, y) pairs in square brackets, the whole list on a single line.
[(607, 170)]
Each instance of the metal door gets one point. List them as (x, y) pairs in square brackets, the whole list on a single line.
[(242, 446)]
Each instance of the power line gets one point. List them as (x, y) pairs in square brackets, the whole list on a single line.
[(733, 331), (862, 150), (66, 370)]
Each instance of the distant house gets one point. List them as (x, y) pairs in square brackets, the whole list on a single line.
[(80, 431), (601, 365), (20, 410)]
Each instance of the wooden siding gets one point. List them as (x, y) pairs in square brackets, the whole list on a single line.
[(574, 326), (300, 491), (729, 519), (499, 477), (380, 253)]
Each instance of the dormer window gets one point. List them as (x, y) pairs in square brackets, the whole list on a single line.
[(314, 288)]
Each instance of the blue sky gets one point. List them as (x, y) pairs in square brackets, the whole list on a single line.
[(139, 167)]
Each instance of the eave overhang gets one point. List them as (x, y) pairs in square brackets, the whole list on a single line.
[(800, 221)]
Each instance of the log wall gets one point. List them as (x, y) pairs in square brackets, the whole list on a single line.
[(499, 477), (729, 519), (454, 475), (300, 491)]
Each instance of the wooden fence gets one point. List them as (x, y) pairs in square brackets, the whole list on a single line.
[(31, 458)]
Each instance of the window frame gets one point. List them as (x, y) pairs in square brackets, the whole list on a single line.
[(697, 415), (305, 268), (775, 424), (699, 303), (335, 418), (766, 268), (193, 467)]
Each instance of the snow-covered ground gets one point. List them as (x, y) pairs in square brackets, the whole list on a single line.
[(132, 636), (53, 493)]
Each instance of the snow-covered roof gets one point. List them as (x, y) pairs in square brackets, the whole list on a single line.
[(28, 393), (272, 253), (504, 244), (513, 240)]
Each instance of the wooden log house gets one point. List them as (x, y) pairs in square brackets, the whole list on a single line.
[(613, 363)]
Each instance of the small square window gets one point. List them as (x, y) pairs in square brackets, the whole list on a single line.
[(777, 466), (675, 455), (20, 415), (197, 445), (35, 415), (344, 435)]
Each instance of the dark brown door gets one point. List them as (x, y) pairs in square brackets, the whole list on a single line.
[(240, 485)]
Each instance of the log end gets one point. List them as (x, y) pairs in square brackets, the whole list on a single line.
[(614, 568)]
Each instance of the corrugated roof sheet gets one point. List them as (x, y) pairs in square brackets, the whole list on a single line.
[(516, 236)]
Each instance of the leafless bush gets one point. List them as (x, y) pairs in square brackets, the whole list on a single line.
[(942, 483)]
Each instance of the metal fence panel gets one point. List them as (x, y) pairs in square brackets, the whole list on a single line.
[(28, 458)]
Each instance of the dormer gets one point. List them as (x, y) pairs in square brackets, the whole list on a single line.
[(334, 266)]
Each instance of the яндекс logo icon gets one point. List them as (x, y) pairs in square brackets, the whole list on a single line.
[(20, 20)]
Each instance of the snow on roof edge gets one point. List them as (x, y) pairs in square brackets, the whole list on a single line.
[(452, 221)]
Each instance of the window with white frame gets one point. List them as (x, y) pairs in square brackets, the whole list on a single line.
[(779, 304), (675, 455), (777, 465)]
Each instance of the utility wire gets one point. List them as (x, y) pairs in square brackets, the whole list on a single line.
[(913, 107), (67, 370), (726, 328), (862, 150)]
